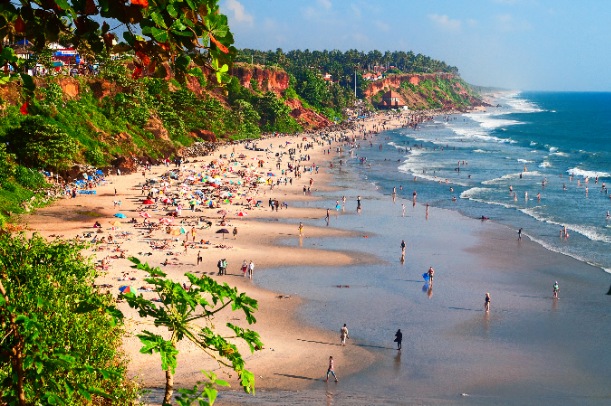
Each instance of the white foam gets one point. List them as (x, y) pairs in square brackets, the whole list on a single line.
[(525, 161), (521, 105), (587, 174), (491, 121), (558, 250), (471, 193), (508, 176), (481, 151), (590, 232), (545, 164)]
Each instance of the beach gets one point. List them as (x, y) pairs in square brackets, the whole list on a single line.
[(529, 349)]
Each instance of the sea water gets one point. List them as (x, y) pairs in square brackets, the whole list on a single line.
[(552, 144), (538, 161)]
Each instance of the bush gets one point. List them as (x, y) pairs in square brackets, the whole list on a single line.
[(39, 144), (62, 342)]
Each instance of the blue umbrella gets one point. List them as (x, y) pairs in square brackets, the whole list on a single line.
[(120, 215)]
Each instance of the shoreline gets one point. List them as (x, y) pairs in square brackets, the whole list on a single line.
[(282, 368), (67, 218)]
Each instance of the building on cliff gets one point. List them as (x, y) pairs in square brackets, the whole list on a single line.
[(392, 100)]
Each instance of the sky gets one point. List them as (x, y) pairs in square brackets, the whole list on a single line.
[(550, 45)]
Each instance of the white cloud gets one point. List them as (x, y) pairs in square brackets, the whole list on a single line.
[(239, 12), (381, 26), (326, 4), (506, 22), (445, 22)]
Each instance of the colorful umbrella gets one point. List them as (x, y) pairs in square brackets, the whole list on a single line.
[(125, 289), (120, 215), (148, 201), (145, 215)]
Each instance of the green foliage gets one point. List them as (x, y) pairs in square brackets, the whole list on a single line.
[(29, 178), (188, 314), (61, 337), (188, 34), (39, 144)]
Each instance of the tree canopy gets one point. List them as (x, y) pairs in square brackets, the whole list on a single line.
[(187, 34)]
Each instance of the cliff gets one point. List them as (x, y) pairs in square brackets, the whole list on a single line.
[(268, 79), (426, 91)]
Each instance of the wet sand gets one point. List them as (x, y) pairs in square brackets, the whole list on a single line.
[(529, 349)]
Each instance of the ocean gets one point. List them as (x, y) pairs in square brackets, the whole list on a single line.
[(538, 161), (530, 349)]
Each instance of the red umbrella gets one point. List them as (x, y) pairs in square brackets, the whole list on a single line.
[(242, 214), (148, 201)]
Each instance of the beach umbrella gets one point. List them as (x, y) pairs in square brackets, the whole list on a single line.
[(125, 289), (115, 223), (175, 232), (222, 231), (167, 200), (145, 215), (182, 230), (120, 215), (148, 201), (166, 221), (242, 214)]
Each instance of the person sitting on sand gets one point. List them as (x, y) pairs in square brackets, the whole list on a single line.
[(97, 225)]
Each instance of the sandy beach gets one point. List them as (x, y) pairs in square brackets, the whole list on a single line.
[(281, 362), (349, 272)]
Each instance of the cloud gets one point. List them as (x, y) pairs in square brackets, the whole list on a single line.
[(239, 12), (326, 4), (506, 23), (445, 22), (381, 26)]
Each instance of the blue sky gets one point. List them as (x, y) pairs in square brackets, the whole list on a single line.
[(516, 44)]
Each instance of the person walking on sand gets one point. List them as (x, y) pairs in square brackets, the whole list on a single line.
[(556, 289), (331, 370), (251, 269), (487, 301), (403, 245), (398, 339), (520, 234), (300, 229), (199, 257), (235, 232), (343, 334)]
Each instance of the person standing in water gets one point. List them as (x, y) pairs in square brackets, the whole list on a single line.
[(343, 334), (487, 301), (556, 289), (398, 339)]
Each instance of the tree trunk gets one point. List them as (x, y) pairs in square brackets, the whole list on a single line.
[(169, 387)]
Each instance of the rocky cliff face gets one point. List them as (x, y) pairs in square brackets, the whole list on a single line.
[(443, 90), (393, 82), (268, 79)]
